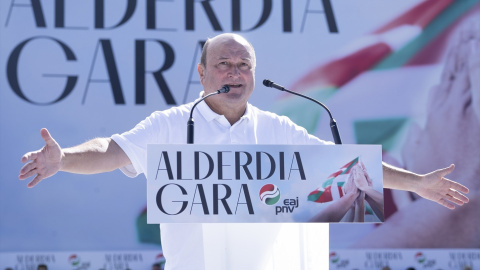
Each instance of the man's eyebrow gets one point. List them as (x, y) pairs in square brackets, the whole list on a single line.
[(226, 57)]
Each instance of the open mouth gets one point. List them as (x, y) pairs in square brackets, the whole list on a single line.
[(234, 85)]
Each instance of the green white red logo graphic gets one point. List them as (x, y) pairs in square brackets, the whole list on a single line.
[(269, 194), (74, 260), (420, 257), (334, 258)]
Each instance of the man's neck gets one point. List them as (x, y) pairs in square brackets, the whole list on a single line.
[(234, 117), (232, 114)]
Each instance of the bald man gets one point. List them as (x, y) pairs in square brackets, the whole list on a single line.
[(227, 59)]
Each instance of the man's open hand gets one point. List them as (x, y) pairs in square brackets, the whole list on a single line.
[(42, 163)]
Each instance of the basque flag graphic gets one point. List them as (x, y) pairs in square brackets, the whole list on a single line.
[(332, 188)]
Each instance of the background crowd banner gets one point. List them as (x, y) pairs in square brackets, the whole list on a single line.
[(85, 69), (105, 260), (405, 258)]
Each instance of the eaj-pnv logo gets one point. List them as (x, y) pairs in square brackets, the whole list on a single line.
[(426, 263), (74, 260), (420, 257), (269, 194), (334, 258)]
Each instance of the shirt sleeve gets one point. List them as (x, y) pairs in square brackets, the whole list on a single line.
[(134, 143), (299, 135)]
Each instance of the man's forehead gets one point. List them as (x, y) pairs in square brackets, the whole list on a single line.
[(229, 37), (228, 53), (231, 45), (231, 53)]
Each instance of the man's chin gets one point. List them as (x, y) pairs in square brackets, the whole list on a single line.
[(235, 99), (233, 95)]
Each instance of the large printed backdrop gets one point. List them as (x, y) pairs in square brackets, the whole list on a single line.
[(95, 68)]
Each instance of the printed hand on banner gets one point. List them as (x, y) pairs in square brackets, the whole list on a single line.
[(367, 177), (452, 130), (358, 179), (341, 209), (451, 135), (364, 183), (357, 211), (361, 178), (42, 163), (349, 186)]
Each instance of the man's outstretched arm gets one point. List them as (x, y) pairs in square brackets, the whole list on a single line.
[(433, 186), (95, 156)]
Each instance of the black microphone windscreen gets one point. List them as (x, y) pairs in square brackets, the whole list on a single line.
[(267, 83), (226, 89)]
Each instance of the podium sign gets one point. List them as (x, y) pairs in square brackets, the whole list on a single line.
[(256, 183)]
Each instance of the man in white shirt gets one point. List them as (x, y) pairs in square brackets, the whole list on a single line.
[(227, 59)]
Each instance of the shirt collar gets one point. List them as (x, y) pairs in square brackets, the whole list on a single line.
[(210, 115)]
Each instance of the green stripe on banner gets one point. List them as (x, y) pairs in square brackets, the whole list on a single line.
[(380, 131), (147, 233), (353, 162), (328, 182), (439, 24), (368, 209), (296, 108)]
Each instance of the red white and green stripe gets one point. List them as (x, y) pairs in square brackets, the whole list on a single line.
[(331, 189)]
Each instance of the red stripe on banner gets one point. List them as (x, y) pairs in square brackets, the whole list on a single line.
[(421, 15), (340, 191), (350, 166), (340, 71), (389, 204), (335, 174), (314, 192), (326, 196)]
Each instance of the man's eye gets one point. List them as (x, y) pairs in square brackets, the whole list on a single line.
[(244, 66), (223, 65)]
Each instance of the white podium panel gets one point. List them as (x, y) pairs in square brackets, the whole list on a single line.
[(260, 183)]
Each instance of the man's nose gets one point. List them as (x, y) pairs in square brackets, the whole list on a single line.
[(234, 71)]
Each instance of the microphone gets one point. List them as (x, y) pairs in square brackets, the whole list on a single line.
[(190, 123), (333, 123)]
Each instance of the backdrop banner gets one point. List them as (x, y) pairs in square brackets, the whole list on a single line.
[(401, 74)]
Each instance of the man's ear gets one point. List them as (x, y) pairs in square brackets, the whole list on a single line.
[(201, 72)]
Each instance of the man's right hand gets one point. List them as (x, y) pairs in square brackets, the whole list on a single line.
[(42, 163)]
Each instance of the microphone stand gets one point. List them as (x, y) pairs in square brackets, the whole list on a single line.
[(190, 122), (333, 123)]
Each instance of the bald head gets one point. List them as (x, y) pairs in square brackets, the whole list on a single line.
[(222, 39)]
